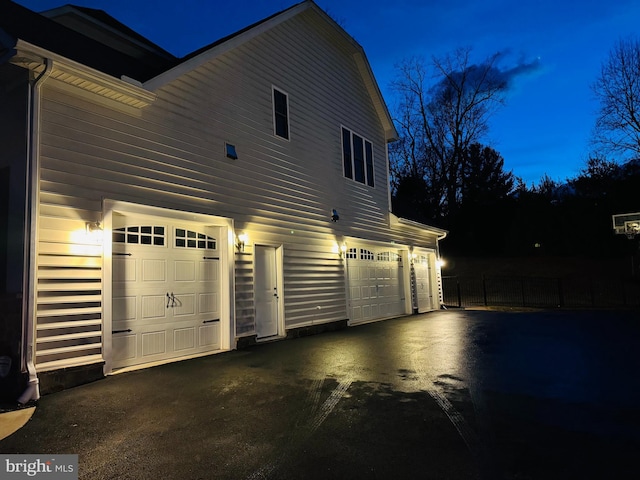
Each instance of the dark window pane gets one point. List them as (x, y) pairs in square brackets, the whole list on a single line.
[(281, 114), (132, 238), (158, 230), (211, 245), (202, 235), (346, 153), (180, 232), (231, 151), (118, 237), (145, 229), (191, 243), (158, 240), (358, 159), (180, 242), (191, 234), (202, 244), (368, 150), (145, 240)]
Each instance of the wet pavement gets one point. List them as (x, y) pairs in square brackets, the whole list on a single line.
[(444, 395)]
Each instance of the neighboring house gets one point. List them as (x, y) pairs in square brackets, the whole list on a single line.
[(163, 208)]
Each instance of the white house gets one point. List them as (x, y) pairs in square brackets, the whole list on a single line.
[(162, 208)]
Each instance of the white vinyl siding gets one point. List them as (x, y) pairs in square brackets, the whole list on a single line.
[(171, 155)]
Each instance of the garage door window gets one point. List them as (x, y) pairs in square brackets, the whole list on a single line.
[(140, 235), (192, 239)]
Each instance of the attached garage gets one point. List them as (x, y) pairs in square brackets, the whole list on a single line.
[(375, 283), (167, 289)]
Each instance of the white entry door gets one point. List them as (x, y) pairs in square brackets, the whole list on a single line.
[(376, 288), (166, 290), (423, 286), (266, 291)]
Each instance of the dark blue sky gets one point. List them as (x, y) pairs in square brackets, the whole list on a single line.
[(550, 112)]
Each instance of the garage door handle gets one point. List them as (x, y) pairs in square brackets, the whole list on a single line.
[(122, 331), (122, 254), (211, 258), (211, 321)]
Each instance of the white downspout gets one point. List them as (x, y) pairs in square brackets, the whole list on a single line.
[(32, 391)]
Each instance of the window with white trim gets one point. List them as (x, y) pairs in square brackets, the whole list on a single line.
[(357, 157), (280, 113)]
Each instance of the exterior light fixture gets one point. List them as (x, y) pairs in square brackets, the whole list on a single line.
[(94, 231), (334, 215), (343, 250), (93, 227), (241, 240)]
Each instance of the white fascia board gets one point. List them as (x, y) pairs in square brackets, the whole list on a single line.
[(223, 47), (391, 134), (395, 220), (126, 91)]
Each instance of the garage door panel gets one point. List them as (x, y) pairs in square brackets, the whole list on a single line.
[(208, 303), (153, 306), (185, 271), (208, 334), (185, 304), (124, 269), (154, 343), (208, 271), (124, 308), (184, 338), (124, 346), (154, 270)]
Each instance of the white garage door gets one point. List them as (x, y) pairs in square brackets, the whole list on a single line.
[(375, 284), (166, 290), (424, 283)]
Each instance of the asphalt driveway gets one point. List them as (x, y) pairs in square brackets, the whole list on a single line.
[(444, 395)]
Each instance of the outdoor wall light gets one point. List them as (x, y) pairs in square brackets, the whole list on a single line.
[(334, 215), (93, 227), (343, 249), (440, 263), (241, 240), (94, 231)]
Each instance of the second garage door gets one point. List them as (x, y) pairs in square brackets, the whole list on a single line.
[(375, 281)]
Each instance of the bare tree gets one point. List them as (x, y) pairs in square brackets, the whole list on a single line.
[(617, 89), (444, 107)]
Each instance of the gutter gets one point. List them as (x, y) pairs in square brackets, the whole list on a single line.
[(32, 391)]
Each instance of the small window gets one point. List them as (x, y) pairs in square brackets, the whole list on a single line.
[(352, 253), (231, 151), (281, 114), (366, 254)]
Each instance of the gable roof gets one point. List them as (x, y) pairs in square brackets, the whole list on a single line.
[(211, 51), (20, 23), (95, 39)]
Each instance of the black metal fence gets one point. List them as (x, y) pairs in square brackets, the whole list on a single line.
[(540, 292)]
